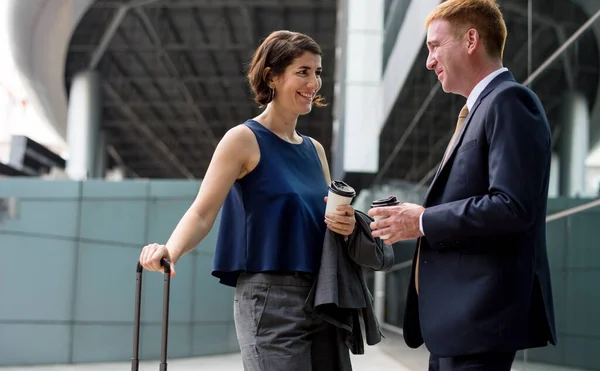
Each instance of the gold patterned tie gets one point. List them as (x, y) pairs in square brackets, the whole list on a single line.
[(464, 112), (459, 124)]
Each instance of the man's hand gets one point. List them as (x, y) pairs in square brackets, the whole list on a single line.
[(401, 222)]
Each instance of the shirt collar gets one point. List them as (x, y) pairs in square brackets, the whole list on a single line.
[(478, 89)]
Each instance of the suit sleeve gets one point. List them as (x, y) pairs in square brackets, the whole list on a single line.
[(519, 143)]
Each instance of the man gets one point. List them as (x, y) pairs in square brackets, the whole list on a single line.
[(480, 287)]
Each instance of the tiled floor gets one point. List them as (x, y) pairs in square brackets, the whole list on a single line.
[(373, 359), (391, 354), (417, 359)]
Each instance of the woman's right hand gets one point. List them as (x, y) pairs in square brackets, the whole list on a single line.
[(151, 256)]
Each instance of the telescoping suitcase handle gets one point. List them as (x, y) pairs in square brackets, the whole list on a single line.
[(135, 361)]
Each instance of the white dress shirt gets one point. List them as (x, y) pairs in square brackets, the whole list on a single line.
[(471, 99)]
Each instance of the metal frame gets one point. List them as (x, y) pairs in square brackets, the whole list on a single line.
[(175, 69), (113, 26), (146, 131), (218, 4), (168, 62)]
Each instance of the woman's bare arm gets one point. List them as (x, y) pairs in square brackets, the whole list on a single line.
[(236, 155)]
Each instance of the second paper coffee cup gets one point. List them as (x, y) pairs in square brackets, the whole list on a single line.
[(340, 193), (389, 201)]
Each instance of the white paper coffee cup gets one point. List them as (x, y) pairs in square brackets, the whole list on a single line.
[(339, 194), (389, 201)]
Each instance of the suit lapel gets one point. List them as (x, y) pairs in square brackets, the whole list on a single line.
[(454, 146), (505, 76), (458, 138)]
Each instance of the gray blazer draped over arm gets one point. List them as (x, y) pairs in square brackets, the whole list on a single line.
[(340, 294)]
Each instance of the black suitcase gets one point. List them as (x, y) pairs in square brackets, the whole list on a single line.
[(135, 361)]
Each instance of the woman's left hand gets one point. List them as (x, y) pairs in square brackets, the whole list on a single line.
[(343, 224)]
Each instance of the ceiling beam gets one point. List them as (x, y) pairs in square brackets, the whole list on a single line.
[(173, 70), (212, 79), (99, 50), (212, 56), (215, 4), (119, 160), (133, 118), (560, 35), (128, 152), (141, 164), (182, 104), (171, 47), (247, 19), (185, 124)]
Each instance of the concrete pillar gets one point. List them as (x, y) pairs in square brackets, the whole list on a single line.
[(101, 156), (339, 88), (363, 53), (573, 144), (83, 124)]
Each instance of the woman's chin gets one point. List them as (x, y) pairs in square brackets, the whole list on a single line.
[(305, 110)]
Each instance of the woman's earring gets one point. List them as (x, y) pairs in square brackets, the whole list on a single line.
[(272, 95)]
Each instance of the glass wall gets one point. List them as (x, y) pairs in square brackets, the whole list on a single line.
[(562, 68), (575, 268)]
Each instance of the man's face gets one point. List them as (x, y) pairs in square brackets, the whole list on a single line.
[(447, 56)]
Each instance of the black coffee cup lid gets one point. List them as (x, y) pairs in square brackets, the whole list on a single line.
[(389, 201), (340, 188)]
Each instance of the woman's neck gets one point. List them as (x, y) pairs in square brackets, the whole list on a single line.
[(281, 123)]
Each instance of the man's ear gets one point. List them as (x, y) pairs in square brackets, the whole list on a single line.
[(473, 40)]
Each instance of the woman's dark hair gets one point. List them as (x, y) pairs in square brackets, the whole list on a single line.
[(273, 56)]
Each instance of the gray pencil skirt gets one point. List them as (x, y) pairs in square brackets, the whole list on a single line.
[(276, 333)]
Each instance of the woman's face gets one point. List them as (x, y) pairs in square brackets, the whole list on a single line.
[(297, 86)]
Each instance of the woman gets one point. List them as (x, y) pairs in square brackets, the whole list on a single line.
[(271, 183)]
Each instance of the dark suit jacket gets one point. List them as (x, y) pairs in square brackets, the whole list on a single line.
[(340, 294), (484, 280)]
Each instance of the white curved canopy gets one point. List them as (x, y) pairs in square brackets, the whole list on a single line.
[(39, 32)]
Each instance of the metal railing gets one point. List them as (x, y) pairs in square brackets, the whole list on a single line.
[(573, 210)]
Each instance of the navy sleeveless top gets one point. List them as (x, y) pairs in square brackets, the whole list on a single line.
[(273, 218)]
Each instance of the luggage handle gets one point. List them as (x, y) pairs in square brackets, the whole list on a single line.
[(135, 361)]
